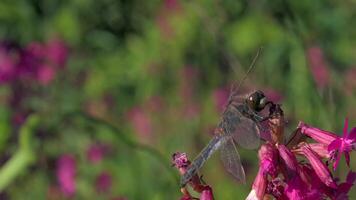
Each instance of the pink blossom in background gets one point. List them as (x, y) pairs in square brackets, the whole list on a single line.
[(95, 153), (318, 66), (172, 5), (220, 97), (45, 74), (57, 52), (188, 76), (66, 171), (37, 49), (7, 65), (273, 95), (141, 122), (350, 80), (103, 182)]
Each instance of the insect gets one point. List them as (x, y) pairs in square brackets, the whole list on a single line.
[(240, 123)]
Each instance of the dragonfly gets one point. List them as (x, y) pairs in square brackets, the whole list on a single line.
[(240, 123)]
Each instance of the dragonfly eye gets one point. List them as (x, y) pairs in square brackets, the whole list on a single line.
[(257, 101), (263, 102)]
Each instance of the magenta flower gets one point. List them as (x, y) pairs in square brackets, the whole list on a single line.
[(289, 159), (95, 153), (66, 170), (181, 162), (220, 97), (7, 65), (207, 194), (45, 74), (57, 52), (268, 156), (343, 145), (103, 182), (344, 188), (140, 122), (318, 148), (321, 136), (259, 186), (318, 66), (319, 167)]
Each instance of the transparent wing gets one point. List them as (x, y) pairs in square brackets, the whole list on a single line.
[(231, 160), (214, 144), (247, 133)]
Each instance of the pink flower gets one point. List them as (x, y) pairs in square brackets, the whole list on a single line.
[(103, 182), (289, 159), (66, 169), (57, 52), (318, 135), (259, 186), (140, 122), (319, 167), (220, 97), (318, 148), (95, 153), (181, 162), (7, 65), (268, 156), (207, 194), (45, 74), (344, 188), (318, 66), (343, 145)]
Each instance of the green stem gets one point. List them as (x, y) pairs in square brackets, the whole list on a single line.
[(17, 164)]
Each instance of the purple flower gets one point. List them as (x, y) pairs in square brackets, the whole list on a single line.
[(103, 182), (343, 145), (319, 167), (66, 169)]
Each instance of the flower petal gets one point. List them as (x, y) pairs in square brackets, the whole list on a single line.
[(319, 167), (318, 135), (337, 159), (334, 145), (207, 194), (352, 134)]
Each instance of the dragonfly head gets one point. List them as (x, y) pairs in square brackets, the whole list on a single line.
[(257, 100)]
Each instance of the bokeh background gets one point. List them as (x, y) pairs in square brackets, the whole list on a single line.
[(95, 96)]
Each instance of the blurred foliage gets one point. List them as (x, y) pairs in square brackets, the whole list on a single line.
[(142, 77)]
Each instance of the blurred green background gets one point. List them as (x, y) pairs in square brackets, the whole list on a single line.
[(99, 94)]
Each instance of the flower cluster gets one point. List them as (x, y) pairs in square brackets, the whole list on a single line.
[(181, 162), (36, 61), (282, 176)]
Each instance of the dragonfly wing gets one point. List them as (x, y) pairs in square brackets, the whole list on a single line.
[(231, 160), (247, 133)]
